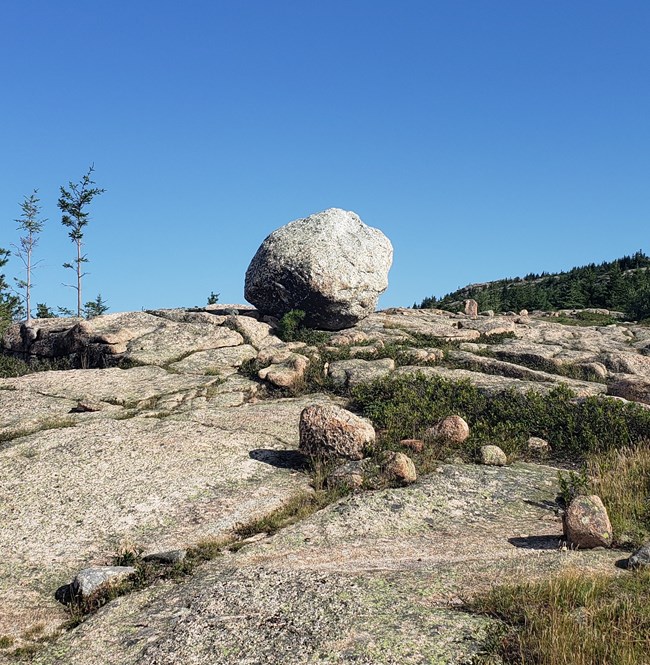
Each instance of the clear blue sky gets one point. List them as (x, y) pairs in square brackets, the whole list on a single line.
[(486, 138)]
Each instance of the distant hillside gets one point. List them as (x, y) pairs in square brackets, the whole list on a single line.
[(622, 285)]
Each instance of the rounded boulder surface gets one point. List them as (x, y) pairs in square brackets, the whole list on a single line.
[(586, 523), (493, 456), (399, 468), (640, 558), (328, 432), (538, 447), (330, 265), (452, 429)]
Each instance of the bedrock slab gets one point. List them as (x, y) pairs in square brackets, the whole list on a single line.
[(375, 578), (71, 496)]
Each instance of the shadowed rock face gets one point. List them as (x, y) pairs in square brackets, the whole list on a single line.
[(330, 265)]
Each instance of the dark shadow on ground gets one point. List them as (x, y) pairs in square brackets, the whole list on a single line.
[(281, 459), (549, 542)]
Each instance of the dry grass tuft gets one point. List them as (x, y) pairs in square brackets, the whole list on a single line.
[(571, 619), (622, 480)]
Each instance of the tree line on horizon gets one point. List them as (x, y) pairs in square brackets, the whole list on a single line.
[(622, 285), (73, 202)]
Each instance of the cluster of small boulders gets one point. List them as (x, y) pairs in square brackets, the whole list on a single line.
[(331, 434)]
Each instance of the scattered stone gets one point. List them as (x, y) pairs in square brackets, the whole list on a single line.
[(424, 355), (471, 307), (347, 476), (452, 429), (168, 558), (523, 312), (287, 374), (586, 523), (640, 558), (493, 456), (399, 468), (487, 312), (416, 445), (538, 447), (331, 431), (330, 265), (89, 580)]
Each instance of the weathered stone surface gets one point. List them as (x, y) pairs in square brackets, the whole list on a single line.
[(220, 362), (586, 523), (90, 580), (286, 374), (452, 429), (330, 431), (399, 468), (330, 265), (640, 558), (538, 447), (374, 578), (347, 476), (350, 373), (167, 558), (632, 389), (255, 333), (493, 456), (471, 307)]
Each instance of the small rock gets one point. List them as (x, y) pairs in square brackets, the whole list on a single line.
[(90, 580), (641, 558), (416, 445), (523, 312), (288, 373), (399, 468), (487, 312), (493, 456), (471, 307), (538, 447), (330, 431), (170, 557), (586, 523), (346, 476), (452, 429)]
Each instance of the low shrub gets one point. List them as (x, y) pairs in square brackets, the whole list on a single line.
[(403, 407)]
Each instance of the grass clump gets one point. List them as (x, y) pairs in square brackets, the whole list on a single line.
[(570, 619), (404, 407), (622, 480), (296, 509)]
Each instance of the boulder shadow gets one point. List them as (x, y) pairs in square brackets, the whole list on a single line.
[(622, 563), (547, 542), (281, 459)]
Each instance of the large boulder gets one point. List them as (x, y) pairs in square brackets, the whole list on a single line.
[(330, 265), (328, 432), (586, 523)]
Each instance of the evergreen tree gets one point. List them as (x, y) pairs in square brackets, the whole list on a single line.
[(9, 303), (73, 204), (30, 223), (95, 307)]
